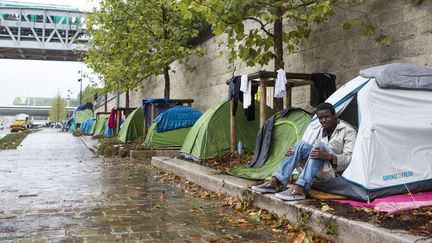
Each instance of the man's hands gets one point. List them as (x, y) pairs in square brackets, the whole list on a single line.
[(289, 152), (316, 153), (320, 153)]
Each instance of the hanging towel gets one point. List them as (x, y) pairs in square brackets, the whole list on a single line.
[(280, 89), (243, 83), (246, 88)]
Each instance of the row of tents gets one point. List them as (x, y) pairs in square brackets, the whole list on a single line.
[(392, 107)]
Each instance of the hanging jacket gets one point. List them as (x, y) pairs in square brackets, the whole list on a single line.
[(325, 84), (262, 144), (250, 111), (234, 92), (264, 139), (112, 118)]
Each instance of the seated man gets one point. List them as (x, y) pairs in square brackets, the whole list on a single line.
[(330, 153)]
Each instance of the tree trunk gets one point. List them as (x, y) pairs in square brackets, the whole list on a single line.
[(127, 98), (166, 68), (106, 103), (278, 61), (167, 82)]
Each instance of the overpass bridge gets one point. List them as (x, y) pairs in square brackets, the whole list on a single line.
[(32, 111), (42, 33)]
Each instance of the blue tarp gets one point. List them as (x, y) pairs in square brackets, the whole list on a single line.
[(108, 132), (85, 106), (86, 126), (161, 105), (176, 117)]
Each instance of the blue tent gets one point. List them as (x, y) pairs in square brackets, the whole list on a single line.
[(87, 125)]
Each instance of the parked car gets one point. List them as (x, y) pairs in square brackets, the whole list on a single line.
[(21, 123)]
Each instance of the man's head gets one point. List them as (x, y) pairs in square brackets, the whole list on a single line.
[(326, 115)]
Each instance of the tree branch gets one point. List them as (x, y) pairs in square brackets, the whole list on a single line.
[(365, 15), (262, 25)]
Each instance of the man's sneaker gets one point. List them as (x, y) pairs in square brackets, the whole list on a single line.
[(290, 195), (266, 187)]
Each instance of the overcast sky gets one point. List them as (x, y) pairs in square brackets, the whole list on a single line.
[(21, 78)]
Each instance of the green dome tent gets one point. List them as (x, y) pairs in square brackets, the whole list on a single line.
[(210, 136), (132, 128), (100, 125), (173, 138), (170, 127), (287, 131)]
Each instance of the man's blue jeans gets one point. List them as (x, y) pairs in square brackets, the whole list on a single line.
[(301, 151)]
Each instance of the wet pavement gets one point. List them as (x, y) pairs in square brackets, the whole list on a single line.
[(52, 189)]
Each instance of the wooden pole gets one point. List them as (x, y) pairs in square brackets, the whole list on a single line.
[(288, 96), (263, 98), (145, 128), (153, 111), (117, 127), (232, 128)]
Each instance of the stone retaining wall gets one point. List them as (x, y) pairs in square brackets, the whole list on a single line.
[(329, 49)]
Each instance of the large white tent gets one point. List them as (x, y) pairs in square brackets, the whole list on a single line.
[(393, 150)]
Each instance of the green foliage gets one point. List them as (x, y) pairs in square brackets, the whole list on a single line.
[(57, 112), (133, 39), (368, 30), (90, 93), (257, 45)]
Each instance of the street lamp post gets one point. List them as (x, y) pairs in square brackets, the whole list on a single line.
[(68, 97), (80, 93), (82, 76)]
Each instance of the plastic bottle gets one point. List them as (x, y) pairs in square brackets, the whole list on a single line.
[(239, 147)]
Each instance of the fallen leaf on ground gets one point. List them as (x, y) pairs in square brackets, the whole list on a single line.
[(326, 208)]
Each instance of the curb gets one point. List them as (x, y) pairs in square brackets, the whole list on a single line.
[(320, 222), (148, 153), (86, 143)]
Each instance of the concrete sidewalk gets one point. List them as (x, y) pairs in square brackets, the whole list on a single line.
[(320, 222)]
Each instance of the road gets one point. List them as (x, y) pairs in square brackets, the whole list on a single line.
[(52, 189)]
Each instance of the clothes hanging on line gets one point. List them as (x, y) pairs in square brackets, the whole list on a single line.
[(112, 118), (280, 89), (234, 92), (250, 111), (246, 88), (325, 84)]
